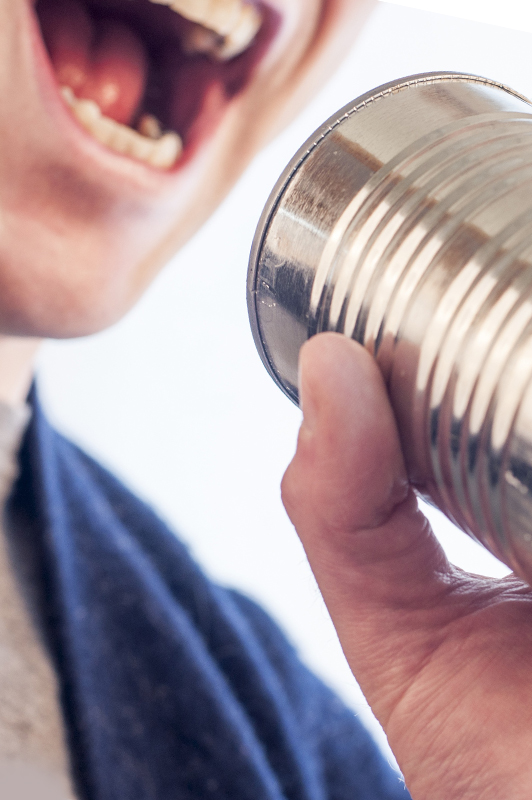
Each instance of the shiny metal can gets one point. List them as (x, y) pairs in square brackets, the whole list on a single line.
[(405, 223)]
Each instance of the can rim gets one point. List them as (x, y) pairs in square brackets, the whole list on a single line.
[(303, 154)]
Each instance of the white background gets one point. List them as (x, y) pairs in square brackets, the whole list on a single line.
[(175, 398), (516, 14)]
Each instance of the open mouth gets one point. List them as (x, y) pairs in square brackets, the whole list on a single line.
[(151, 79)]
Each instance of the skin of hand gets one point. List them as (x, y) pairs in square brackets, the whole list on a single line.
[(442, 656)]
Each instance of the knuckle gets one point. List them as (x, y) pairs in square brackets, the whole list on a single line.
[(293, 491)]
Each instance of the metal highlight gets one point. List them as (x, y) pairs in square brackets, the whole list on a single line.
[(405, 223)]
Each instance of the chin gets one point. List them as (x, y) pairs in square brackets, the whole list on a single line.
[(64, 300)]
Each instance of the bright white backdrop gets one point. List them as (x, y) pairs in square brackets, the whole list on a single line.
[(175, 399), (516, 14)]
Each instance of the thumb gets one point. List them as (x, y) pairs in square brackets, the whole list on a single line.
[(380, 569)]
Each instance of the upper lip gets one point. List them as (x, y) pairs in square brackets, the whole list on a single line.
[(233, 76)]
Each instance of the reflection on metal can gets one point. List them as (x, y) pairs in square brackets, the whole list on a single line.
[(405, 223)]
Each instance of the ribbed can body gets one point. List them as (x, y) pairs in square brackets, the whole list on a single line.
[(406, 223)]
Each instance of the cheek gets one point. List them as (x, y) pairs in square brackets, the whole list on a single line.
[(300, 20), (300, 17)]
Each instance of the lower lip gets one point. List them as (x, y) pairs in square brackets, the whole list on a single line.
[(217, 98)]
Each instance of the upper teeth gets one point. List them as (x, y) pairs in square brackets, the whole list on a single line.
[(234, 21), (242, 34), (148, 146)]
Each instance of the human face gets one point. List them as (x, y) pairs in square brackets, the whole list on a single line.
[(84, 228)]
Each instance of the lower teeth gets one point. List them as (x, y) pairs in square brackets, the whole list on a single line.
[(146, 145)]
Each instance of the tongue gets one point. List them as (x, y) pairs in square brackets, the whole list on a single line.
[(116, 77), (101, 60)]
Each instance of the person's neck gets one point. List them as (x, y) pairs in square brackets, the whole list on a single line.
[(17, 358)]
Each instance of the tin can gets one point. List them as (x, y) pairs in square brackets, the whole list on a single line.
[(405, 223)]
